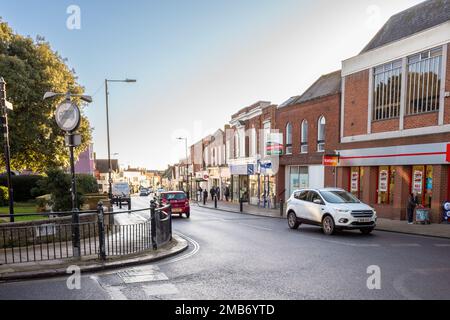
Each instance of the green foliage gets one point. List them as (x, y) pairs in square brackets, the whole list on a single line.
[(4, 197), (24, 187), (58, 185), (30, 69)]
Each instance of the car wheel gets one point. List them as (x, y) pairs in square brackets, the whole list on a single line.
[(366, 230), (292, 221), (188, 215), (328, 225)]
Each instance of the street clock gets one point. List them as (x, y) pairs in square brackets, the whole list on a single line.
[(68, 116)]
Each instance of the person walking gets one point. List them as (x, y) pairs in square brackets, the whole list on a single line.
[(227, 193), (212, 192), (413, 201), (218, 193)]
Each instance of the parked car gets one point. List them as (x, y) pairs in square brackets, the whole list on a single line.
[(332, 209), (179, 202), (121, 194), (144, 192)]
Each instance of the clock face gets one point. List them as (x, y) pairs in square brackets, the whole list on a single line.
[(67, 116)]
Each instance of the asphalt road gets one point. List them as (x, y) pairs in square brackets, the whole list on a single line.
[(235, 256)]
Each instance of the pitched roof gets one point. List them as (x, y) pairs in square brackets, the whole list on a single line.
[(102, 165), (326, 85), (423, 16)]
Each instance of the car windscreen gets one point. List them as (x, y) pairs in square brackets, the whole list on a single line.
[(175, 196), (339, 197)]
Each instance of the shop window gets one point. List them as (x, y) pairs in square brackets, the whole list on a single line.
[(356, 181), (386, 185), (422, 184), (298, 178), (387, 81)]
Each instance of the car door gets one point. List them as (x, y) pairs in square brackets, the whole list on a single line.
[(315, 210), (301, 203)]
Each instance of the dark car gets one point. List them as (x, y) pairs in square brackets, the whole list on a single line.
[(179, 202), (144, 192)]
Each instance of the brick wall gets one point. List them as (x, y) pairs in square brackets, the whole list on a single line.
[(385, 125), (311, 111), (355, 101), (422, 120)]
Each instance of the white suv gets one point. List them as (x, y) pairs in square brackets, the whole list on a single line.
[(332, 209)]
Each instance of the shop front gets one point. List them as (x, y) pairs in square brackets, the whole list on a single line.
[(301, 177), (242, 177), (385, 177)]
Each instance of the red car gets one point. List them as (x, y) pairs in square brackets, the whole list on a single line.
[(178, 201)]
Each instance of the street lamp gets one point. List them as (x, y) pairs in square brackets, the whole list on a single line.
[(107, 130), (187, 166)]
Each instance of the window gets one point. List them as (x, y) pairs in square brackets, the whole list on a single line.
[(386, 185), (236, 145), (387, 90), (339, 197), (266, 137), (424, 82), (289, 138), (253, 142), (304, 137), (321, 134)]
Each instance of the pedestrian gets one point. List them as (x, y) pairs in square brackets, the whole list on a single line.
[(413, 201), (212, 192), (227, 193), (205, 196), (218, 193)]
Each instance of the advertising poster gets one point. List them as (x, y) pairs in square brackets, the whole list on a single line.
[(355, 182), (383, 185), (418, 181)]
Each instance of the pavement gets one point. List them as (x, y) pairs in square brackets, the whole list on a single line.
[(431, 230), (235, 256)]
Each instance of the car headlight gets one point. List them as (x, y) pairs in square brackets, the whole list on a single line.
[(342, 211)]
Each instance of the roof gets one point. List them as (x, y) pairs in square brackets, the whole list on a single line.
[(423, 16), (259, 104), (102, 165), (326, 85)]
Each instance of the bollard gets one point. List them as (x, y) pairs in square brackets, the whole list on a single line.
[(170, 221), (281, 208), (129, 204), (241, 205), (215, 202), (120, 203), (101, 230), (153, 224), (204, 200)]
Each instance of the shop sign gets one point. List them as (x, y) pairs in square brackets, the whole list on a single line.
[(448, 153), (330, 160), (243, 170), (266, 168), (355, 182), (383, 183), (418, 181)]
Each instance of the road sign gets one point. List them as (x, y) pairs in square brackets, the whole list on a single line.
[(72, 140), (67, 116)]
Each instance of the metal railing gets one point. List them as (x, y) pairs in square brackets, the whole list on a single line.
[(56, 238)]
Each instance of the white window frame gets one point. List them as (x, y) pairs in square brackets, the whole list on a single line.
[(288, 138), (321, 140), (304, 137)]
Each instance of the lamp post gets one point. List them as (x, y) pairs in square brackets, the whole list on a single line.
[(187, 166), (107, 130), (5, 106)]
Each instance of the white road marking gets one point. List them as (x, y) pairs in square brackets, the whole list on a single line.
[(142, 274), (114, 292), (402, 245), (160, 289), (186, 256), (442, 245)]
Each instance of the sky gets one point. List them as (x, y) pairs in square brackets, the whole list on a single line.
[(196, 62)]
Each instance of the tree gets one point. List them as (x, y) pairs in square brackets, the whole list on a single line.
[(30, 69)]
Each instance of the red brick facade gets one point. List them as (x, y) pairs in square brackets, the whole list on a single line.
[(355, 100)]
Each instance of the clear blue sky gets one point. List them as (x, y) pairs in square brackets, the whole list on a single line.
[(196, 61)]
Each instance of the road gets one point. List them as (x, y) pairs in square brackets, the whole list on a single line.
[(235, 256)]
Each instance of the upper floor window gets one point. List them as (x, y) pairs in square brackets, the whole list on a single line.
[(289, 138), (321, 134), (253, 148), (424, 81), (236, 145), (304, 137), (387, 90), (266, 133)]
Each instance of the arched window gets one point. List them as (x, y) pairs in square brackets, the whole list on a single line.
[(289, 138), (304, 137), (321, 134)]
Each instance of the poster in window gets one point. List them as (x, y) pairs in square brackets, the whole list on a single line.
[(355, 181), (418, 181), (383, 182)]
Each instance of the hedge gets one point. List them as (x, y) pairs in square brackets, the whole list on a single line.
[(22, 186)]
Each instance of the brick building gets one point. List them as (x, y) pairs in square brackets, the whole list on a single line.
[(251, 168), (310, 127), (395, 116)]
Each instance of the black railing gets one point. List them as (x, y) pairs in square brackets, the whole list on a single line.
[(54, 239)]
